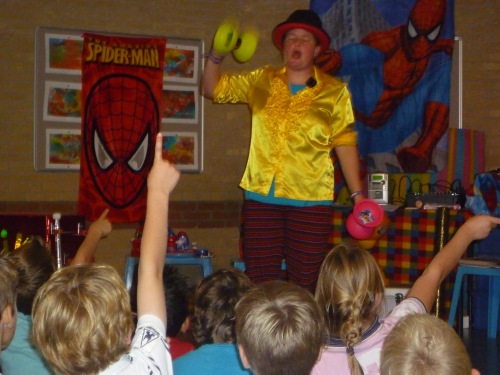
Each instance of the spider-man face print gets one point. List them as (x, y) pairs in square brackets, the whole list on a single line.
[(423, 29), (121, 121)]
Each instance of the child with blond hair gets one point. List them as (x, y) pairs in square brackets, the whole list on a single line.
[(279, 329), (426, 345), (82, 319), (35, 264), (350, 292), (8, 293)]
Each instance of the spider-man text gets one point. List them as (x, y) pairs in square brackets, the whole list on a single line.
[(123, 55)]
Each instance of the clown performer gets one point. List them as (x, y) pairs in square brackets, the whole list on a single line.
[(299, 115)]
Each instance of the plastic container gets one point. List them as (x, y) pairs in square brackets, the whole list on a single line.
[(171, 243), (368, 213), (358, 231), (182, 242), (203, 253)]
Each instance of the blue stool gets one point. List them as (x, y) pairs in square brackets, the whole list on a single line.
[(242, 266), (205, 264), (485, 268)]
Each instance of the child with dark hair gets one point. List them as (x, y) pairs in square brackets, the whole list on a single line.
[(177, 297), (213, 326)]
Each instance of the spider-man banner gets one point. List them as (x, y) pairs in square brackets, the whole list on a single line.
[(121, 91), (396, 56)]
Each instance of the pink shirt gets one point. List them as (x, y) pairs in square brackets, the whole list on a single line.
[(367, 352)]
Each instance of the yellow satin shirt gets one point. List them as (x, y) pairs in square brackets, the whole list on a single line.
[(292, 136)]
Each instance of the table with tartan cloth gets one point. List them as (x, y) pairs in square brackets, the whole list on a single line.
[(412, 238)]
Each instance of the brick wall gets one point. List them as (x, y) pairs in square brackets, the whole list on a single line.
[(183, 214), (208, 203), (478, 24)]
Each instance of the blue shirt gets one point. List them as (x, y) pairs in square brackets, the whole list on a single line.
[(211, 359), (21, 356)]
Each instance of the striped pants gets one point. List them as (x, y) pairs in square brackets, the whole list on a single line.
[(272, 233)]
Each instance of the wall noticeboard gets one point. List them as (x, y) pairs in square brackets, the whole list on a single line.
[(58, 106)]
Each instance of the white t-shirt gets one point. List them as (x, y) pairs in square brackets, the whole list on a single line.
[(368, 350), (150, 353)]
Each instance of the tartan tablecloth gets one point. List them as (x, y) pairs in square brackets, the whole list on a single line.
[(412, 238)]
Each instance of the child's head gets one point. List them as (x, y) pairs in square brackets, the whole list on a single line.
[(349, 292), (35, 265), (177, 295), (8, 312), (177, 298), (82, 319), (279, 325), (424, 344), (214, 303)]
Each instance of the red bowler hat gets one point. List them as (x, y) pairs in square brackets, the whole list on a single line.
[(302, 19)]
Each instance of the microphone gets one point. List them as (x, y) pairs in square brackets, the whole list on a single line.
[(311, 82)]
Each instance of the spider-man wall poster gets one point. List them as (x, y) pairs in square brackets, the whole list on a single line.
[(122, 81), (396, 57)]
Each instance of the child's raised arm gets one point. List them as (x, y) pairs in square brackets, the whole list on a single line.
[(97, 230), (161, 181), (426, 286)]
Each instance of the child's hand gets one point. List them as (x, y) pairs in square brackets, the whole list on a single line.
[(480, 226), (97, 230), (102, 226), (163, 175)]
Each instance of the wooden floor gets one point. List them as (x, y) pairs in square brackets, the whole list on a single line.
[(484, 353)]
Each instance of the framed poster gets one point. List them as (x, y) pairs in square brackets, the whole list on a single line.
[(181, 149), (180, 105), (62, 102), (63, 53), (182, 63), (63, 149), (58, 101)]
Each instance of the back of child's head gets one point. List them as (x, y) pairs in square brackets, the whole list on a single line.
[(349, 292), (424, 344), (177, 298), (8, 290), (214, 304), (82, 319), (177, 294), (280, 328), (8, 284), (35, 265)]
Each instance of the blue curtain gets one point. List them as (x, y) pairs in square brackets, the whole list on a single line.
[(396, 58)]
